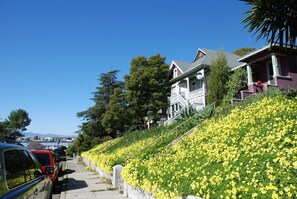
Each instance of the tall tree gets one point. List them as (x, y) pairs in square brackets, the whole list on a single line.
[(93, 116), (218, 77), (108, 82), (16, 122), (116, 118), (146, 92), (275, 20)]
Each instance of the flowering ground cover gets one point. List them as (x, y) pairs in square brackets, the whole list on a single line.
[(249, 153), (140, 144)]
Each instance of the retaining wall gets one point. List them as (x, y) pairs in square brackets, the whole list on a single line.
[(117, 181)]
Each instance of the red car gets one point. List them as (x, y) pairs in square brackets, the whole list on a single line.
[(49, 164)]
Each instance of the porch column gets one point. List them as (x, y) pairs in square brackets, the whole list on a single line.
[(275, 65), (249, 74), (188, 88), (204, 89)]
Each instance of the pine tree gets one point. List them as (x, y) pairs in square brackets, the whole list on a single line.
[(92, 125)]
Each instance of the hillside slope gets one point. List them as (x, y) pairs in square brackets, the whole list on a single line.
[(141, 144), (250, 153)]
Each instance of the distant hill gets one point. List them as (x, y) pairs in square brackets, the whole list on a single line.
[(30, 134)]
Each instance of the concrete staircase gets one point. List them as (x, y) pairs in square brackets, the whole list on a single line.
[(243, 95)]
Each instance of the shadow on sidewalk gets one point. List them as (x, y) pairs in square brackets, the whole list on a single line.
[(67, 171), (75, 184)]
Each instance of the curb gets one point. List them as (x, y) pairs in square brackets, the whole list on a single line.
[(64, 183)]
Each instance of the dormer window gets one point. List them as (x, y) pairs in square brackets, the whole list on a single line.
[(175, 73)]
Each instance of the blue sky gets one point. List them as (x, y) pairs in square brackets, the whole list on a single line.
[(52, 52)]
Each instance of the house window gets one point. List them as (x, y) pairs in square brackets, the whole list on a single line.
[(195, 84), (174, 72)]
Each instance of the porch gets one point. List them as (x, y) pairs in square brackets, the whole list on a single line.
[(177, 102), (270, 67)]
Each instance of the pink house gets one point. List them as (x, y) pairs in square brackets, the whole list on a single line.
[(270, 66)]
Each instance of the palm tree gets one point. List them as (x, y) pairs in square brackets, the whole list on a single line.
[(275, 20)]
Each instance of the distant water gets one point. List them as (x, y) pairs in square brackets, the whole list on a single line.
[(49, 144)]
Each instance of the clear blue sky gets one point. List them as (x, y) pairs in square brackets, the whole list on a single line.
[(52, 52)]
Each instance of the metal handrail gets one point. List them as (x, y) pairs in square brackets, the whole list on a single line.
[(174, 130)]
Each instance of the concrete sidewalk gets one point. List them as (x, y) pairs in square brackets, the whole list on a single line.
[(79, 183)]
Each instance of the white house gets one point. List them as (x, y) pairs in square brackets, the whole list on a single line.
[(188, 81)]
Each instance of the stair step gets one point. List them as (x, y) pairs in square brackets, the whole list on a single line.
[(235, 101)]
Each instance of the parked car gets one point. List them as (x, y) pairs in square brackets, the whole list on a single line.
[(49, 164), (61, 151), (59, 162), (21, 175), (9, 141)]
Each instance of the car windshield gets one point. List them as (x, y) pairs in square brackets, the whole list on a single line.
[(43, 159)]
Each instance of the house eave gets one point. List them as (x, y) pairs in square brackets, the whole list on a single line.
[(186, 74), (248, 56), (245, 57)]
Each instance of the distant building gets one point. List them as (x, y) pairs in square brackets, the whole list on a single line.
[(48, 139)]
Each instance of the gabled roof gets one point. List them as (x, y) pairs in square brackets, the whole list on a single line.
[(203, 59), (211, 55), (183, 66)]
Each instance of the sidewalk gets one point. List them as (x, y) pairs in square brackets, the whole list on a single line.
[(79, 183)]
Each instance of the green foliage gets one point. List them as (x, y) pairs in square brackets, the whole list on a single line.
[(274, 20), (71, 149), (187, 113), (82, 143), (92, 130), (243, 51), (3, 126), (95, 141), (217, 80), (16, 122), (292, 93), (93, 116), (116, 109), (146, 93), (116, 119), (249, 153), (142, 144), (236, 83)]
